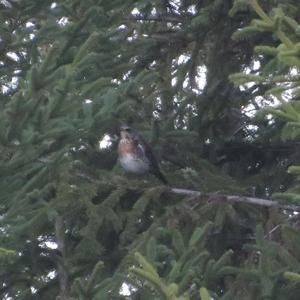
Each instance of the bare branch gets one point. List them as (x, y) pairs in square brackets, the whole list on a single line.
[(156, 18), (234, 199)]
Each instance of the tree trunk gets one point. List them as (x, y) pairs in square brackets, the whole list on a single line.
[(63, 278)]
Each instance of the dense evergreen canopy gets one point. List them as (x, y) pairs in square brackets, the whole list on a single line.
[(214, 87)]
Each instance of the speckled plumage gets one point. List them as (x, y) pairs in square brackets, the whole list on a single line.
[(136, 156)]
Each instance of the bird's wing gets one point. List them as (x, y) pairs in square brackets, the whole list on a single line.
[(145, 150), (148, 155)]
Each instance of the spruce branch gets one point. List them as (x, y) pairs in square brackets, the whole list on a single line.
[(281, 35), (292, 276), (147, 272), (258, 9), (204, 294), (86, 47), (233, 199), (7, 255)]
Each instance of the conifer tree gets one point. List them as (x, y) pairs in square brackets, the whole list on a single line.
[(185, 74)]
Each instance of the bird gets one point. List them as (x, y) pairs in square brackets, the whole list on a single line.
[(136, 156)]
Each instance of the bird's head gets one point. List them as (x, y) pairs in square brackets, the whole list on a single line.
[(126, 132)]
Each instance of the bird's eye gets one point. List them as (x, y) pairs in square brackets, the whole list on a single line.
[(125, 129)]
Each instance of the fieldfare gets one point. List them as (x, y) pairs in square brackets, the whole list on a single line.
[(136, 156)]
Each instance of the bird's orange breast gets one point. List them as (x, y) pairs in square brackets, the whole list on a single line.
[(126, 146), (130, 158)]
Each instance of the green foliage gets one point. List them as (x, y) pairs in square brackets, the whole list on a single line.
[(292, 276), (71, 73), (286, 54), (168, 292), (6, 256)]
